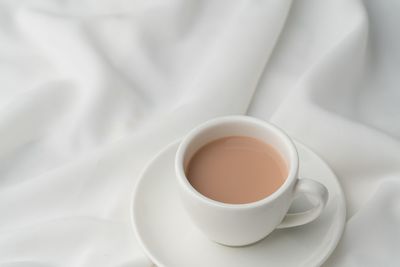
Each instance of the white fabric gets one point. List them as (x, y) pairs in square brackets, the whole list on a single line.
[(91, 90)]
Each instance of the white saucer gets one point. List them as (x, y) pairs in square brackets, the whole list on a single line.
[(169, 238)]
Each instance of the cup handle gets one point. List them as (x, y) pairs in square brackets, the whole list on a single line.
[(315, 190)]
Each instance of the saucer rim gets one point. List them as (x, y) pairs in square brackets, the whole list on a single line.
[(318, 262)]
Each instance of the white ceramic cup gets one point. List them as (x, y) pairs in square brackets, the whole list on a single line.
[(244, 224)]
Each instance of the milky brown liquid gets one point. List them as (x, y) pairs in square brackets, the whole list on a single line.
[(236, 170)]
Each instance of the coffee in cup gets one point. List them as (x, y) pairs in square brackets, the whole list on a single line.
[(238, 176), (236, 170)]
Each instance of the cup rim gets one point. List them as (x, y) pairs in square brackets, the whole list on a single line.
[(293, 159)]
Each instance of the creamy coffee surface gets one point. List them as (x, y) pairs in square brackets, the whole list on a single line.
[(236, 170)]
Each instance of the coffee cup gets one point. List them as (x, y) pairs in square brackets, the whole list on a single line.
[(246, 223)]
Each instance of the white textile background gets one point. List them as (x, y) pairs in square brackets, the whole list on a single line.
[(91, 90)]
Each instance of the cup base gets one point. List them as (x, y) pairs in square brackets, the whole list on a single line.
[(241, 246)]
